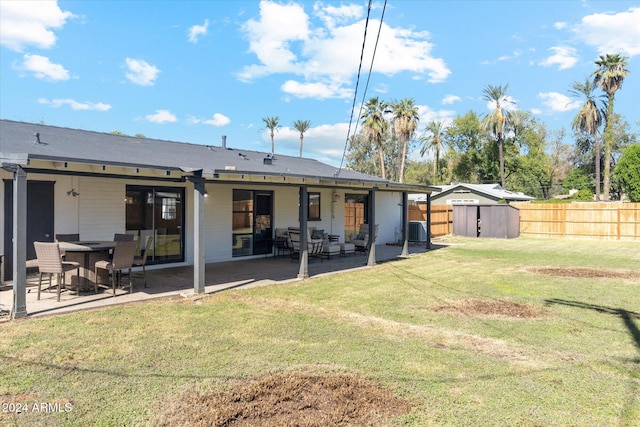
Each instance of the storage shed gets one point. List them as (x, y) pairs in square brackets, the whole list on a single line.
[(490, 221)]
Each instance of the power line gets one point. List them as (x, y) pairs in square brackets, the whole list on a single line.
[(355, 94)]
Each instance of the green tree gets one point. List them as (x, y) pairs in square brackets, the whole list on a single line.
[(375, 125), (610, 74), (405, 123), (497, 120), (301, 126), (272, 123), (418, 173), (576, 179), (433, 140), (362, 156), (627, 172), (470, 157), (588, 120)]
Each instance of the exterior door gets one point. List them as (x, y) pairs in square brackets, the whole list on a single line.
[(39, 219), (252, 222), (262, 230)]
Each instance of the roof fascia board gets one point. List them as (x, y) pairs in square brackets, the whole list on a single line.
[(100, 162)]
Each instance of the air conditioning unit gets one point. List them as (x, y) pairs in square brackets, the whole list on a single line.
[(417, 231)]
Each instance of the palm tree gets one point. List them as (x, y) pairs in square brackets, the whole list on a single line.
[(433, 139), (589, 119), (498, 119), (405, 122), (375, 126), (301, 126), (609, 75), (272, 125)]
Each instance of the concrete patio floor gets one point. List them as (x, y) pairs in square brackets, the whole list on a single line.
[(165, 282)]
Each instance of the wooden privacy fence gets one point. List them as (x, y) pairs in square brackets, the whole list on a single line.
[(605, 221), (441, 218), (353, 217)]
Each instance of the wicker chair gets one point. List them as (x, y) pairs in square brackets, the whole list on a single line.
[(122, 260), (141, 261), (50, 262)]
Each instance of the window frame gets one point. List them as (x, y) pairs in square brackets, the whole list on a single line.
[(315, 195)]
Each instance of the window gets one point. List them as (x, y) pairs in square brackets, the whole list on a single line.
[(314, 207), (168, 208), (157, 212)]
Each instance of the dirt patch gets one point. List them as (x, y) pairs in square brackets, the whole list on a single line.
[(585, 272), (290, 399), (482, 307)]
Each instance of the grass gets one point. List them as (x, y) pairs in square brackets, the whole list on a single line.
[(408, 325)]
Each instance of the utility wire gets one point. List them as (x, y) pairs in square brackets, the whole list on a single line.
[(355, 94)]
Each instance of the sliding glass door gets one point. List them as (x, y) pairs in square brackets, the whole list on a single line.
[(157, 212)]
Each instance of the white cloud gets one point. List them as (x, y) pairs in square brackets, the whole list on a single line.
[(141, 72), (515, 54), (198, 30), (560, 25), (75, 105), (324, 143), (218, 120), (43, 68), (29, 23), (161, 116), (563, 56), (334, 15), (450, 99), (327, 55), (558, 102), (316, 90), (612, 33)]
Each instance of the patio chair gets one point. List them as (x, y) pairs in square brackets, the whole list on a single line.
[(141, 260), (314, 246), (49, 260), (122, 260), (361, 240)]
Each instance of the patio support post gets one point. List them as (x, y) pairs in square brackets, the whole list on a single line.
[(303, 213), (428, 220), (405, 224), (371, 261), (19, 243), (198, 232)]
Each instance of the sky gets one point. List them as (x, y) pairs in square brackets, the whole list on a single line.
[(193, 71)]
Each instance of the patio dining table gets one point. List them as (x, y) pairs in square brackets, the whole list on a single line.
[(86, 253)]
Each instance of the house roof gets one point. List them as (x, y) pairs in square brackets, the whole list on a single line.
[(493, 191), (22, 142)]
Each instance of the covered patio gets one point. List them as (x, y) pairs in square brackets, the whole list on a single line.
[(178, 281)]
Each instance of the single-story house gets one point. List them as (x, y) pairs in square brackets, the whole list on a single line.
[(203, 203), (471, 194)]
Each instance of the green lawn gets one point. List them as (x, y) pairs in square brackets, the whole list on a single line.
[(416, 326)]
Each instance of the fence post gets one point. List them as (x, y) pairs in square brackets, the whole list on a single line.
[(618, 228)]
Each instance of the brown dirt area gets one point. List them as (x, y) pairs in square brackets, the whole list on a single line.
[(585, 272), (483, 307), (290, 399)]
